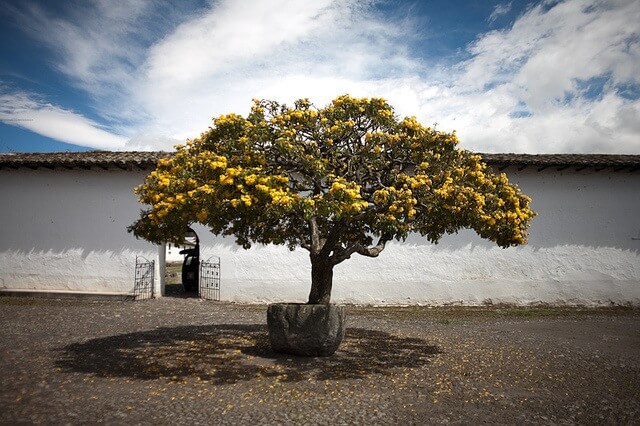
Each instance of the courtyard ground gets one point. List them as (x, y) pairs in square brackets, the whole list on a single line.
[(187, 361)]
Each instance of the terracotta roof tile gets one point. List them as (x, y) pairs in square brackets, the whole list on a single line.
[(146, 160)]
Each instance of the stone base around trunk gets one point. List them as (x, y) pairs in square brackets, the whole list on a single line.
[(305, 330)]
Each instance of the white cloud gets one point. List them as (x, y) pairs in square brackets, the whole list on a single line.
[(537, 66), (337, 48), (231, 33), (96, 43), (219, 61), (152, 142), (521, 90), (499, 10), (26, 111)]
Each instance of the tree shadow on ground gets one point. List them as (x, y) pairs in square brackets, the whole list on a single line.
[(231, 353)]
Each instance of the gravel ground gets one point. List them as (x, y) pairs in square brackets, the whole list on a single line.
[(182, 360)]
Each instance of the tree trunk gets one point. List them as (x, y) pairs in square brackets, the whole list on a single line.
[(321, 281)]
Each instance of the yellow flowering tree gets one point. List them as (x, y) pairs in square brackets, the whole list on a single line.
[(336, 181)]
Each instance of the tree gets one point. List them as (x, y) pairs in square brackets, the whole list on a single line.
[(336, 181)]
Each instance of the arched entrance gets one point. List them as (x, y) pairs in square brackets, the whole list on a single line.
[(191, 261), (182, 265)]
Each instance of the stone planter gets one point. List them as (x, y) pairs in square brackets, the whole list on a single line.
[(305, 330)]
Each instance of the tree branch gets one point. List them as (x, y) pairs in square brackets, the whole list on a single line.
[(315, 236), (331, 241), (373, 251)]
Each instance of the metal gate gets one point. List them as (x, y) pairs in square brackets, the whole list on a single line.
[(210, 279), (143, 287)]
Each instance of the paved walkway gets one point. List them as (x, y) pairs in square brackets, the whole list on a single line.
[(187, 361)]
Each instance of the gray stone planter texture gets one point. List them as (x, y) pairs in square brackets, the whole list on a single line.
[(305, 330)]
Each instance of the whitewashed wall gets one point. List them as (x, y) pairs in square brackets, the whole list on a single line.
[(65, 230), (582, 250)]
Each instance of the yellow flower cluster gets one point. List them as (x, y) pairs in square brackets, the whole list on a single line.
[(446, 189), (381, 195), (226, 179), (228, 176), (417, 181), (347, 196), (246, 200), (227, 119), (350, 189), (220, 163), (412, 123), (281, 197), (400, 203)]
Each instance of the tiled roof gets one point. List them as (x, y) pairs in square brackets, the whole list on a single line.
[(125, 160), (564, 161), (146, 160)]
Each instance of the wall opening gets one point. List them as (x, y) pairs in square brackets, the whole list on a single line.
[(183, 266)]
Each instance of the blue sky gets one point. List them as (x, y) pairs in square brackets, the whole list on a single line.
[(508, 76)]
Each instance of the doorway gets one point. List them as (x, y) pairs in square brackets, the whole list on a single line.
[(182, 266)]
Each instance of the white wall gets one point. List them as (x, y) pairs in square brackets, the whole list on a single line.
[(581, 251), (66, 230)]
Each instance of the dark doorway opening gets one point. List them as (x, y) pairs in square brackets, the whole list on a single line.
[(183, 267)]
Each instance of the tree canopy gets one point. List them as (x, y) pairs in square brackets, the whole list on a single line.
[(336, 181)]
